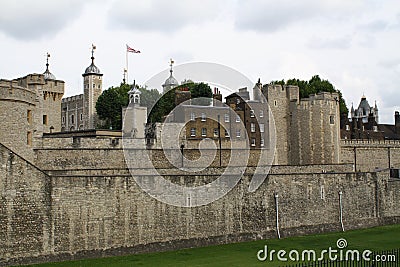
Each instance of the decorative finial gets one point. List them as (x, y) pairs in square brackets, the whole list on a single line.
[(93, 48), (47, 61), (171, 64)]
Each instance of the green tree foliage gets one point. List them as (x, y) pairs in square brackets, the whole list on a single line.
[(109, 107), (314, 86), (167, 102), (110, 103), (162, 107)]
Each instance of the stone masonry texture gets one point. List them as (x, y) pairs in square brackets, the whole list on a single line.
[(84, 207)]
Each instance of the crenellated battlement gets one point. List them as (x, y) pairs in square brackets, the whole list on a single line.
[(10, 90), (72, 98)]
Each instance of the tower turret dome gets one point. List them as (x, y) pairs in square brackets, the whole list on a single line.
[(47, 74), (171, 82), (92, 69)]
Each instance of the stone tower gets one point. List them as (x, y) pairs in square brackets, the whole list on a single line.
[(50, 102), (278, 101), (92, 88), (171, 82)]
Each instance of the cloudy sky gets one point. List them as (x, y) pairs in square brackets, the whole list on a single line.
[(353, 43)]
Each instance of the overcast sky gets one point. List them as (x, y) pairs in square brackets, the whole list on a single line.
[(352, 43)]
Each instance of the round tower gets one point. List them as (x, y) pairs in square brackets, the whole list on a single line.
[(92, 88)]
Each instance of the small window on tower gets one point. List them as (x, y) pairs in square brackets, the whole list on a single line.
[(81, 116), (332, 119), (45, 119), (29, 138), (347, 127), (29, 116), (375, 128), (98, 86), (94, 86)]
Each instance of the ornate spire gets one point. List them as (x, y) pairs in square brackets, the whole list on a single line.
[(92, 69), (171, 64), (47, 61), (93, 48), (47, 74)]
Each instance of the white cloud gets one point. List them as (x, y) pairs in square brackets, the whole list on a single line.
[(343, 42), (160, 15), (28, 20), (270, 16)]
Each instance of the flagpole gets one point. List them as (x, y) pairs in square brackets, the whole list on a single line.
[(126, 51)]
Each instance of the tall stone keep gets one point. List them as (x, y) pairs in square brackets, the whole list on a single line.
[(92, 88), (307, 129)]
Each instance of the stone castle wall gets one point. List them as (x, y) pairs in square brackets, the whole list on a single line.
[(25, 208), (72, 106), (79, 211), (369, 155)]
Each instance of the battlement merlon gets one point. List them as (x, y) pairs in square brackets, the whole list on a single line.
[(10, 90), (323, 96), (72, 98), (35, 79)]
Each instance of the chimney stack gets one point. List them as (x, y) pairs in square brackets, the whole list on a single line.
[(217, 96)]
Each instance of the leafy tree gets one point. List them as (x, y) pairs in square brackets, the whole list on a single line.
[(162, 107), (109, 106), (167, 102), (110, 103)]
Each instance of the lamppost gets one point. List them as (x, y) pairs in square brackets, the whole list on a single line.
[(182, 147)]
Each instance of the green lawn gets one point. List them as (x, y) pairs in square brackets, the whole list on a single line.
[(244, 254)]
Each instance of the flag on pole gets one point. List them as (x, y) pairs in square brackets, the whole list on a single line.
[(130, 49)]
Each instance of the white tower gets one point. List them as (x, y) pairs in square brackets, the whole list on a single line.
[(92, 88)]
